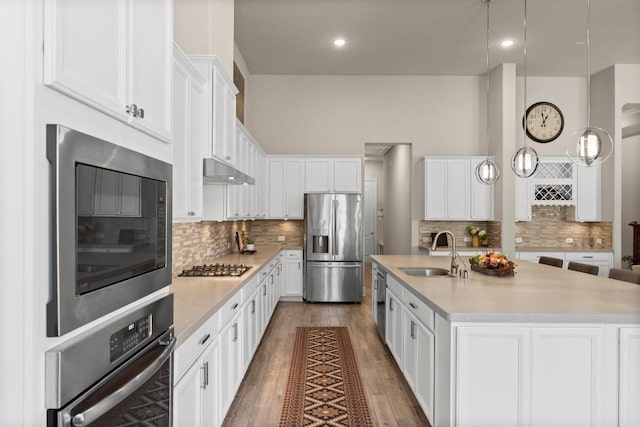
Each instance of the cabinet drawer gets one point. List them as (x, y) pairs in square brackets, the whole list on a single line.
[(293, 254), (421, 310), (248, 289), (587, 256), (230, 308), (395, 286), (189, 351)]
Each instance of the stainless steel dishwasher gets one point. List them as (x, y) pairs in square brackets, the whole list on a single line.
[(380, 296)]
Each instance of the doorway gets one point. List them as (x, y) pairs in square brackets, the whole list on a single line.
[(370, 218), (630, 149)]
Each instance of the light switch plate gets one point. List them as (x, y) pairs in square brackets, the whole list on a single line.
[(518, 239), (280, 238), (568, 240)]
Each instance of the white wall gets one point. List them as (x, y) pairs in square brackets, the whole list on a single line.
[(397, 194), (205, 27)]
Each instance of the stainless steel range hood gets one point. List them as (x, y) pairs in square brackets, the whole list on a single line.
[(217, 172)]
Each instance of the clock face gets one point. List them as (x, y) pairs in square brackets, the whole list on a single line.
[(543, 122)]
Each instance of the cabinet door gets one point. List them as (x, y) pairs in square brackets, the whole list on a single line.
[(197, 138), (230, 361), (458, 191), (435, 189), (181, 172), (481, 195), (293, 278), (318, 176), (230, 123), (85, 52), (588, 194), (187, 397), (409, 347), (629, 387), (491, 373), (347, 175), (294, 188), (393, 326), (211, 388), (221, 148), (151, 41), (276, 188), (424, 384), (566, 379), (523, 199), (249, 333)]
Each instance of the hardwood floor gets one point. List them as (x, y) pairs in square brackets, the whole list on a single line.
[(259, 399)]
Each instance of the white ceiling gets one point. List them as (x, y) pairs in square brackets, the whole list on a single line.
[(432, 37)]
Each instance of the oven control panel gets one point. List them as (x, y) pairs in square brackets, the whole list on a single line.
[(128, 337)]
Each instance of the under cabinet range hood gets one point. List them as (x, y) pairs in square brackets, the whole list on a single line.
[(217, 172)]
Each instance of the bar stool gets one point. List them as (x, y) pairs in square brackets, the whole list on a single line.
[(626, 275), (547, 260), (584, 268)]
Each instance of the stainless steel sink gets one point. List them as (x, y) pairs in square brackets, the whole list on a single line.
[(425, 271)]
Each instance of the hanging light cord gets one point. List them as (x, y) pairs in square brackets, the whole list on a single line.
[(524, 70), (588, 64), (488, 88)]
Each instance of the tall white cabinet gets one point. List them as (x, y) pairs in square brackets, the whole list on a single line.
[(114, 56), (286, 187)]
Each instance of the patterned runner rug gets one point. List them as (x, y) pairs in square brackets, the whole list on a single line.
[(324, 387)]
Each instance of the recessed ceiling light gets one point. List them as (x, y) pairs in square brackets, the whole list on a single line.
[(507, 43), (339, 42)]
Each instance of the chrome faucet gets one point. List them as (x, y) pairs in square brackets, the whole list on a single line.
[(454, 254)]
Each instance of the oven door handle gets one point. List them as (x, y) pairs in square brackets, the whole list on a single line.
[(89, 415)]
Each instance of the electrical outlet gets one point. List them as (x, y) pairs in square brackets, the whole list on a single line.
[(518, 239), (467, 239), (568, 240), (598, 241), (228, 245), (280, 238)]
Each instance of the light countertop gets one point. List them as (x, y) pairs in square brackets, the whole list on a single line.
[(559, 249), (537, 293), (198, 298)]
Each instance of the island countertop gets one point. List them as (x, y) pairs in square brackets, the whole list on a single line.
[(537, 293)]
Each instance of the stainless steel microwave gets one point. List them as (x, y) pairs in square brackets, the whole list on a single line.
[(111, 227)]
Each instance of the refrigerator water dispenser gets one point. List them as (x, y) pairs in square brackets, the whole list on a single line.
[(320, 244)]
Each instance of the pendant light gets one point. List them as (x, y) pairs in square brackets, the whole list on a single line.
[(525, 160), (487, 171), (589, 146)]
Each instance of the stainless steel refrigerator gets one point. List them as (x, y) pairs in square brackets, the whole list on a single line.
[(333, 248)]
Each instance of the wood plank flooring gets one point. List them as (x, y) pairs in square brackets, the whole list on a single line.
[(259, 399)]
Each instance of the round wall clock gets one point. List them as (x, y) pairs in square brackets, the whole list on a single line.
[(543, 122)]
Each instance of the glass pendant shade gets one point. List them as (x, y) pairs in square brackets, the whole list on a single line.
[(589, 146), (487, 172), (525, 162)]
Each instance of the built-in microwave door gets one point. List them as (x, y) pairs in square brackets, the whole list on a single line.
[(110, 239)]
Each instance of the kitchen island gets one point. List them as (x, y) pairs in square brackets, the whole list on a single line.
[(545, 347)]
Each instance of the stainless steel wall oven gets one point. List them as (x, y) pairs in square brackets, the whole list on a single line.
[(111, 227), (119, 374)]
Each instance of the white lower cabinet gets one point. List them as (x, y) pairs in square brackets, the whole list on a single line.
[(393, 331), (196, 394), (629, 375), (291, 273), (230, 361), (518, 375), (418, 363)]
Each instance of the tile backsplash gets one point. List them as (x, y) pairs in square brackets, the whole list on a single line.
[(197, 242), (459, 229), (549, 228)]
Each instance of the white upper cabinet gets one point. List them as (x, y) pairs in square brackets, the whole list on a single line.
[(452, 192), (588, 194), (222, 109), (523, 199), (286, 187), (114, 56), (190, 127), (333, 175)]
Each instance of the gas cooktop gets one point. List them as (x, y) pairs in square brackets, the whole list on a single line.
[(217, 270)]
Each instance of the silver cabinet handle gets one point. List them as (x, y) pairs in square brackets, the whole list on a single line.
[(204, 339), (205, 375), (587, 256), (412, 332), (253, 306), (264, 288), (235, 331), (413, 305), (140, 113), (390, 304), (234, 306)]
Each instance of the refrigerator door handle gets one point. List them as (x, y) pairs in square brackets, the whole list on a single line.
[(335, 227)]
